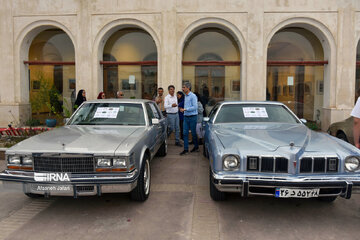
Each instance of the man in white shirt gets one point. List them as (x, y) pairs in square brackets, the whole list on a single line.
[(356, 130), (171, 107)]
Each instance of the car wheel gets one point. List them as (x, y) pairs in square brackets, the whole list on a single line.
[(142, 190), (163, 149), (327, 199), (33, 195), (342, 136), (215, 194)]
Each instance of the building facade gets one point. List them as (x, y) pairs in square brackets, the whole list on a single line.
[(303, 53)]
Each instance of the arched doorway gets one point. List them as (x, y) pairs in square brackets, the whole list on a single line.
[(130, 64), (295, 72), (51, 66), (211, 63)]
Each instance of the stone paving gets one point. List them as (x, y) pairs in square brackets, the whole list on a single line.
[(179, 207)]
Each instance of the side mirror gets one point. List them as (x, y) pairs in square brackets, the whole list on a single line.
[(66, 120), (155, 121), (206, 119), (303, 121)]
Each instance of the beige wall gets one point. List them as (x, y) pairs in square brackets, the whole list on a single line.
[(252, 23)]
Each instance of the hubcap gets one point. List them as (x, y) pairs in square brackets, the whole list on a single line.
[(147, 177)]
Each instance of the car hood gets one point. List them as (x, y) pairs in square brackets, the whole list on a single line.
[(79, 139), (270, 137)]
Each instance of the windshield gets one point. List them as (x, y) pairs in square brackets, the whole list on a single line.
[(109, 114), (248, 113)]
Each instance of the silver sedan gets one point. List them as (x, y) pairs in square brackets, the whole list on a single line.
[(106, 147), (262, 148)]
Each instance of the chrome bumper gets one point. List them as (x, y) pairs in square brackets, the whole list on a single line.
[(79, 184), (343, 185)]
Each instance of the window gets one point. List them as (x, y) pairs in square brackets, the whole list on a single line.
[(211, 63), (51, 65), (252, 113), (109, 114), (150, 112), (130, 64), (295, 72)]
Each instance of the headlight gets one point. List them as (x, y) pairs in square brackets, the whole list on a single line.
[(231, 162), (352, 164), (27, 160), (14, 160), (103, 162), (119, 163)]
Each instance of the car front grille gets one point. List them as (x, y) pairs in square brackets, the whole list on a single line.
[(68, 164), (267, 164), (319, 164)]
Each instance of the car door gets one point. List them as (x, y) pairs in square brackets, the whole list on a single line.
[(207, 127), (207, 124), (153, 130), (162, 126)]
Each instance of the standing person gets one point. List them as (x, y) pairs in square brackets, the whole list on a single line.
[(81, 97), (190, 111), (181, 100), (73, 94), (171, 107), (160, 100), (119, 94), (356, 114), (101, 95), (200, 116)]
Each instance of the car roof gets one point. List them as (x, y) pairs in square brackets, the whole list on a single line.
[(118, 100), (252, 102)]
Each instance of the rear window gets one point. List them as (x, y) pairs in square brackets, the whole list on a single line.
[(247, 113)]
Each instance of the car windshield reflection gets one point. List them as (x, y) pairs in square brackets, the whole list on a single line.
[(109, 114), (253, 113)]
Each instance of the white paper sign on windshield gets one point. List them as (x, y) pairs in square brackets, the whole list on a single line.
[(106, 112), (255, 112)]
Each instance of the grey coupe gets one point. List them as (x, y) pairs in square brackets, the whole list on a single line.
[(262, 148), (106, 147)]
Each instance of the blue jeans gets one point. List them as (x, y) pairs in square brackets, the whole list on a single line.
[(190, 124), (173, 125)]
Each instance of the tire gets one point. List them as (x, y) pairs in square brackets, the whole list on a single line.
[(142, 190), (215, 194), (342, 136), (327, 199), (163, 149)]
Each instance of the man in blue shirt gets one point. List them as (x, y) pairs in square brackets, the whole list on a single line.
[(190, 111)]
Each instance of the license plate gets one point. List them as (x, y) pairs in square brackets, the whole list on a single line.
[(51, 187), (296, 193)]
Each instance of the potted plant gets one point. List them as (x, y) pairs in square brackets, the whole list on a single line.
[(47, 97), (54, 106)]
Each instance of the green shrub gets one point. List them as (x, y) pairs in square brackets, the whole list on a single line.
[(313, 126), (33, 122)]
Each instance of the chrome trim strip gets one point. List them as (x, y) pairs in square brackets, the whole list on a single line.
[(94, 177), (317, 178)]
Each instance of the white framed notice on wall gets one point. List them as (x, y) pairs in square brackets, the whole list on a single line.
[(290, 81), (131, 79)]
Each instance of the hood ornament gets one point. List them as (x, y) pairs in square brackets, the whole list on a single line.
[(63, 145), (291, 144)]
